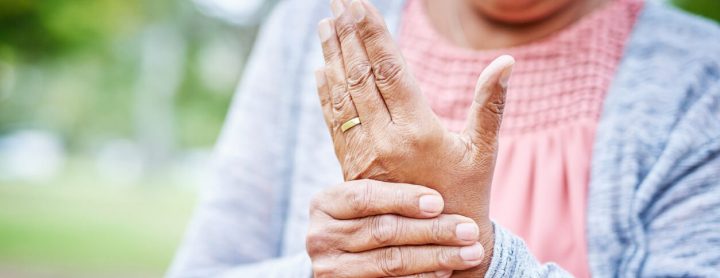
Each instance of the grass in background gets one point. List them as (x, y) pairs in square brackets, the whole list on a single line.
[(85, 228)]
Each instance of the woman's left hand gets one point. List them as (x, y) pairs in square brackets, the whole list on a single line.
[(399, 138)]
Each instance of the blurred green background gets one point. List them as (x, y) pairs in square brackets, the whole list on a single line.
[(108, 113)]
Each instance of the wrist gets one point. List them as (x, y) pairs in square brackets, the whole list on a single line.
[(471, 199)]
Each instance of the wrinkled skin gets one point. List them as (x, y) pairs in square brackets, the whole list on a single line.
[(400, 138), (368, 228)]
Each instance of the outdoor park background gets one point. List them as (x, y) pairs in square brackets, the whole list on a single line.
[(108, 113)]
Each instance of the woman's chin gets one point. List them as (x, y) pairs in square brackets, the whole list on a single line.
[(519, 11)]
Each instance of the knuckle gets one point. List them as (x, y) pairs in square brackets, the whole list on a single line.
[(404, 201), (319, 201), (316, 202), (345, 29), (388, 151), (324, 101), (388, 71), (438, 231), (372, 33), (392, 261), (331, 52), (314, 205), (341, 98), (444, 257), (496, 105), (358, 75), (384, 149), (384, 229), (323, 269), (360, 197), (348, 230), (316, 241)]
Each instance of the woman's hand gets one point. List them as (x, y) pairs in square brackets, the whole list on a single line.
[(400, 139), (367, 228)]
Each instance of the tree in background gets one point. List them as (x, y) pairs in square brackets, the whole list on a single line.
[(159, 72), (706, 8)]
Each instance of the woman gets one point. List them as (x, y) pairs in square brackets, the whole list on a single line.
[(608, 162)]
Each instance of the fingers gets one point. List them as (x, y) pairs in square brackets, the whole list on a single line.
[(325, 98), (396, 85), (327, 110), (487, 109), (392, 230), (360, 80), (342, 105), (362, 198), (372, 233), (409, 260)]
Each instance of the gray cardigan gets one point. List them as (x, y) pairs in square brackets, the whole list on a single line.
[(654, 196)]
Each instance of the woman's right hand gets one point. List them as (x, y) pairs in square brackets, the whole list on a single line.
[(368, 228)]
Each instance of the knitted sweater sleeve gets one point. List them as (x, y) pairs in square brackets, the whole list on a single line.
[(512, 258), (678, 203)]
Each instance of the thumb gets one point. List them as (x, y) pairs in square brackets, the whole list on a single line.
[(486, 112)]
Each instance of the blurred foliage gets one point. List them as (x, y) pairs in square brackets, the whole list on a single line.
[(706, 8), (90, 71), (41, 29), (72, 67)]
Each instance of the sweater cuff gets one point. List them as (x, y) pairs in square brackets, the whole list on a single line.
[(510, 256)]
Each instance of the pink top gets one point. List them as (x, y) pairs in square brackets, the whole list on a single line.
[(553, 106)]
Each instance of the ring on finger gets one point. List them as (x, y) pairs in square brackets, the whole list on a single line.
[(350, 124)]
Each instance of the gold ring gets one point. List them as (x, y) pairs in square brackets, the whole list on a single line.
[(350, 124)]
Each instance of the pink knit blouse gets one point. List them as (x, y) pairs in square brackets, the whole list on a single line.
[(553, 106)]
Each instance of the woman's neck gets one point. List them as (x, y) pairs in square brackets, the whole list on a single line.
[(457, 21)]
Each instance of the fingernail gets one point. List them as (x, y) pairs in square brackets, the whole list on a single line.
[(472, 253), (431, 204), (467, 232), (325, 30), (443, 273), (505, 75), (337, 7), (357, 9)]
